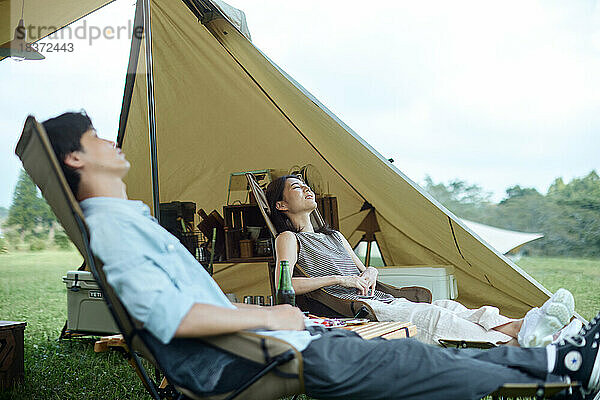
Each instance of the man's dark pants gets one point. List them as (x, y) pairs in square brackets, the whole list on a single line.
[(341, 365)]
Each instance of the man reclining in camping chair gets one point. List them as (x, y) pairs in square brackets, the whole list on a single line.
[(327, 259), (163, 286)]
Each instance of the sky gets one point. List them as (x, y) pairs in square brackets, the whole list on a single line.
[(493, 93)]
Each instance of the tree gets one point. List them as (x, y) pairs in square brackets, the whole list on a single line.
[(28, 210), (576, 225), (517, 191), (523, 209), (466, 200), (568, 215), (580, 192)]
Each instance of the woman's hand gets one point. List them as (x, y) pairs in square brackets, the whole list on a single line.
[(370, 274), (355, 281)]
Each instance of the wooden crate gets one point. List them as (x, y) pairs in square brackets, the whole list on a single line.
[(12, 367)]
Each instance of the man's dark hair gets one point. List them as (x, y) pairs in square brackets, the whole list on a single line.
[(65, 133)]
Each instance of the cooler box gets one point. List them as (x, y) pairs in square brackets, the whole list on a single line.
[(87, 311), (439, 279)]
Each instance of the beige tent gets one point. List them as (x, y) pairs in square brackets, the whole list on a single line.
[(222, 106)]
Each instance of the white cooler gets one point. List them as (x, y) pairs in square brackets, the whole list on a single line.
[(439, 279)]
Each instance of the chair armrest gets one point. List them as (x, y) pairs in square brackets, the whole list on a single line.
[(257, 348), (344, 307), (415, 294)]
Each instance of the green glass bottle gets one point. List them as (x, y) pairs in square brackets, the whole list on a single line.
[(285, 291)]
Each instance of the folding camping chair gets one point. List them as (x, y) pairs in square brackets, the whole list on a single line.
[(282, 372), (320, 302)]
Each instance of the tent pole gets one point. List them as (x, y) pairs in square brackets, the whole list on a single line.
[(134, 55), (151, 109), (368, 254)]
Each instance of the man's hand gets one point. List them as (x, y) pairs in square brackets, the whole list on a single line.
[(355, 281), (370, 274), (284, 317)]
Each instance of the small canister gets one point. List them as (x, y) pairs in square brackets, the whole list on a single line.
[(259, 300), (248, 299), (246, 248)]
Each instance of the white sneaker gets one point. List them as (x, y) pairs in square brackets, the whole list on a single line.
[(568, 331), (540, 324)]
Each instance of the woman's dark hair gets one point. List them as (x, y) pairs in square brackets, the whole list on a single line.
[(274, 193), (65, 133)]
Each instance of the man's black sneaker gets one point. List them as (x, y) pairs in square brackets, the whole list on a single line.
[(577, 357)]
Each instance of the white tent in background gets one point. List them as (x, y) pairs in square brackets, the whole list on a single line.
[(503, 240)]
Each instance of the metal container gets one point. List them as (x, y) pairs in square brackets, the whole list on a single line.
[(246, 246), (259, 300)]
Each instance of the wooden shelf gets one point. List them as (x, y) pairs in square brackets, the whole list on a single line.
[(238, 218)]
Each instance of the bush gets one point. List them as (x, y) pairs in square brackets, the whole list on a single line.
[(37, 245), (38, 234), (62, 240), (12, 238), (3, 245)]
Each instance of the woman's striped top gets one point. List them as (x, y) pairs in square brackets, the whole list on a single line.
[(322, 255)]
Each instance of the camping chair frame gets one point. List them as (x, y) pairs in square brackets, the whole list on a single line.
[(319, 301), (39, 161)]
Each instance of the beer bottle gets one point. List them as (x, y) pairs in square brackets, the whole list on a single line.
[(285, 291)]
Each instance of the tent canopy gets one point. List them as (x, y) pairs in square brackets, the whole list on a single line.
[(222, 106)]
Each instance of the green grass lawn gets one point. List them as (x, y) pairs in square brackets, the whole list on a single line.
[(31, 290), (580, 276)]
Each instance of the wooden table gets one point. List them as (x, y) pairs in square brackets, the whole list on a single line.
[(12, 366), (385, 330)]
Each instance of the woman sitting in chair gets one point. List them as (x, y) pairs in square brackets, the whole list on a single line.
[(326, 256)]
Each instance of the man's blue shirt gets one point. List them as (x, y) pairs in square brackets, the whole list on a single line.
[(154, 275)]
